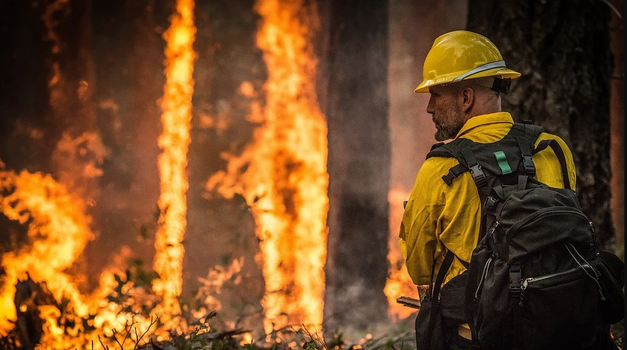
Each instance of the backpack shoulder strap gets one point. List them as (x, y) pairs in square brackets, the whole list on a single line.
[(444, 267), (561, 157), (526, 136), (460, 150)]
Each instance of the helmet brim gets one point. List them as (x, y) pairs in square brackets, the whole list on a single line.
[(502, 72)]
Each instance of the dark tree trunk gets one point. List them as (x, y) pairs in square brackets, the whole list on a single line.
[(24, 97), (358, 165), (47, 95), (617, 110), (128, 57), (222, 229), (562, 50)]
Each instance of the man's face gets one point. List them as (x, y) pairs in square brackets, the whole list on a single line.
[(446, 111)]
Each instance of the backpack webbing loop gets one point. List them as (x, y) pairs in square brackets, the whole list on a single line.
[(453, 173)]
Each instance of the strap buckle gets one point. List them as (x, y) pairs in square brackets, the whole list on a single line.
[(477, 175), (530, 168), (515, 277)]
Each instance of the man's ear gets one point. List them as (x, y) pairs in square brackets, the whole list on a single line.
[(467, 98)]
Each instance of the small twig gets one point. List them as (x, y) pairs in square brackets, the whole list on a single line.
[(311, 336), (116, 339), (128, 334), (613, 9), (102, 344), (152, 322)]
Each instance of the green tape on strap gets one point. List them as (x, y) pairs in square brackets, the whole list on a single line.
[(502, 162)]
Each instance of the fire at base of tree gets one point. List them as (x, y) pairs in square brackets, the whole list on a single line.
[(203, 327)]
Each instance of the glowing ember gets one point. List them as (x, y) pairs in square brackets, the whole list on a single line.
[(174, 141), (285, 173)]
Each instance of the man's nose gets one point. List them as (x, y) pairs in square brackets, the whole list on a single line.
[(430, 108)]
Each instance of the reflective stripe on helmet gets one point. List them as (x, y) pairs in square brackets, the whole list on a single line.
[(481, 68)]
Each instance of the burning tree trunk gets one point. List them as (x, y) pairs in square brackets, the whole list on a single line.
[(358, 164), (229, 76), (562, 50)]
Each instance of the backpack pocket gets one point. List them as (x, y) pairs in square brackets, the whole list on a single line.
[(611, 279), (547, 301), (453, 302)]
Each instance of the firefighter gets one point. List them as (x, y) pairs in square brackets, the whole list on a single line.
[(465, 75)]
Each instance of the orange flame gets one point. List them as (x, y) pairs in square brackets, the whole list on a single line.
[(285, 179), (59, 232), (174, 141)]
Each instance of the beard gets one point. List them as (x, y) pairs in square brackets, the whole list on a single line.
[(448, 125), (447, 132)]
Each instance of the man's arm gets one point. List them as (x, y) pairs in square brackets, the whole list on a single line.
[(418, 231), (439, 217)]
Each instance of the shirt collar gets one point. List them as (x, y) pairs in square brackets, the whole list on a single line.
[(485, 119)]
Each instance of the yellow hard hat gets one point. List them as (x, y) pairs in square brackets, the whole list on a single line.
[(460, 55)]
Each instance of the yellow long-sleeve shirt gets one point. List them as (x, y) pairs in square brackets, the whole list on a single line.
[(438, 217)]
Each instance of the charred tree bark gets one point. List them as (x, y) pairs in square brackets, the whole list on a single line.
[(562, 50), (358, 165)]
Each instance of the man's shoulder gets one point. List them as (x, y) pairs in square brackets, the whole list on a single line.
[(437, 164)]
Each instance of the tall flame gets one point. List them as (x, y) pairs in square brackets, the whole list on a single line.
[(285, 175), (174, 141)]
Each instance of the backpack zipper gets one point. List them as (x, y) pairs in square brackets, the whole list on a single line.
[(528, 280), (546, 211)]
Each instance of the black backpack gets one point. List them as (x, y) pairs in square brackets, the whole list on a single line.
[(535, 279)]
